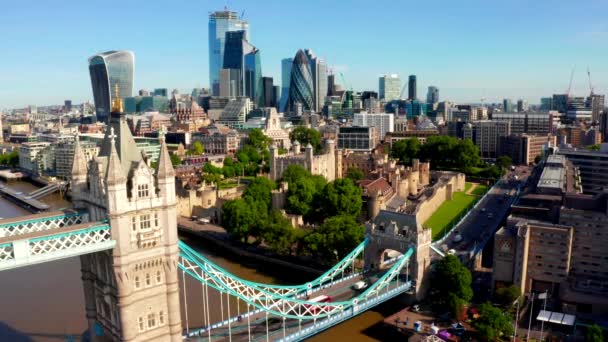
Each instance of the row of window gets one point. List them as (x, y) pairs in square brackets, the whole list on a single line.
[(148, 280), (144, 221), (151, 321)]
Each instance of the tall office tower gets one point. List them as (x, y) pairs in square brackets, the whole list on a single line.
[(301, 88), (276, 93), (432, 96), (411, 88), (389, 87), (560, 103), (253, 77), (318, 69), (267, 92), (522, 105), (596, 103), (545, 104), (285, 80), (67, 105), (507, 106), (241, 56), (230, 83), (221, 22), (108, 69), (161, 92), (331, 85)]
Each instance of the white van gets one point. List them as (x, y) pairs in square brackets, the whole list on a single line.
[(204, 220), (360, 285)]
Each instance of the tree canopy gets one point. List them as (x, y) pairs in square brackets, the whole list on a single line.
[(594, 333), (444, 152), (260, 190), (451, 285), (338, 234), (196, 148), (10, 159), (307, 136), (355, 174), (493, 322), (504, 161), (341, 197), (175, 159), (405, 150), (506, 296)]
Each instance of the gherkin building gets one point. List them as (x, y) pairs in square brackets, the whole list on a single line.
[(301, 86)]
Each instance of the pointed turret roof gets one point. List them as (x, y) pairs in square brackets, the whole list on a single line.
[(114, 170), (164, 168), (79, 163)]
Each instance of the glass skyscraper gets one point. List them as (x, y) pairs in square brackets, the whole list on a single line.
[(108, 69), (301, 89), (318, 69), (286, 64), (221, 22), (253, 77), (411, 88), (432, 96), (245, 58), (389, 87)]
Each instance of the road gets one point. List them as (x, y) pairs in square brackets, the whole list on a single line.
[(481, 223)]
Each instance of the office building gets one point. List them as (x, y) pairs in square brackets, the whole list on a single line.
[(253, 77), (486, 134), (530, 123), (507, 106), (578, 109), (109, 70), (318, 70), (268, 95), (560, 103), (218, 139), (221, 22), (64, 156), (67, 105), (301, 87), (411, 88), (384, 122), (235, 113), (230, 83), (596, 102), (286, 64), (356, 138), (554, 242), (592, 166), (546, 104), (161, 92), (36, 157), (523, 148), (432, 96), (276, 92), (389, 87), (243, 58), (522, 106)]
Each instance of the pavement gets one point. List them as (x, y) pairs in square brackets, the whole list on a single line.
[(481, 223)]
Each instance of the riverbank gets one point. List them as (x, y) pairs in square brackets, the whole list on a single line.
[(218, 240)]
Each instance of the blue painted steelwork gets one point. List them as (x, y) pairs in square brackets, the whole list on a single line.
[(75, 232), (42, 223)]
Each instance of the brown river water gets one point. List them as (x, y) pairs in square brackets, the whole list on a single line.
[(45, 302)]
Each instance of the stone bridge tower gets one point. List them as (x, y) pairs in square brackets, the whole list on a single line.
[(132, 291), (392, 231)]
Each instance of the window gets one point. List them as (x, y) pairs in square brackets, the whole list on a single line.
[(155, 219), (134, 223), (144, 221), (161, 318), (141, 324), (158, 277), (137, 284), (148, 279), (142, 190), (151, 321)]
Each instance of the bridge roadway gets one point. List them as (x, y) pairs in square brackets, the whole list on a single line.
[(341, 291)]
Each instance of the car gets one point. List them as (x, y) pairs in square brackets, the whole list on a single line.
[(452, 252), (360, 285), (457, 238), (483, 210), (203, 220), (416, 308)]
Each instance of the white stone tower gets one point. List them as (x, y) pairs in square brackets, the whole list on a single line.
[(131, 292)]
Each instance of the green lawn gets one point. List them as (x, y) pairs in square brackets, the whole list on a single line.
[(448, 212), (480, 190), (227, 185), (467, 186)]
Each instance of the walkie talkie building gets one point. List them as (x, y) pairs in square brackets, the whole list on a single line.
[(108, 69)]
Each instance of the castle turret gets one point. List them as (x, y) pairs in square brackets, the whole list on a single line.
[(296, 147), (309, 155)]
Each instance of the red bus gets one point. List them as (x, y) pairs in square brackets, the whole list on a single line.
[(319, 299)]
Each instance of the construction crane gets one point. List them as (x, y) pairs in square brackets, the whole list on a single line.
[(590, 83), (402, 90), (569, 88), (346, 86)]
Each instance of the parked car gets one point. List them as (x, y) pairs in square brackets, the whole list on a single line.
[(204, 220), (457, 238)]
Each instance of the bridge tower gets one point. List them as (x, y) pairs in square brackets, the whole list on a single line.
[(394, 231), (131, 291)]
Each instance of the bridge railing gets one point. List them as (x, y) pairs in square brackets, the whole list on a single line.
[(38, 224)]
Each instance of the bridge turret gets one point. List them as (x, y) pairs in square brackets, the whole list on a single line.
[(79, 171), (116, 181)]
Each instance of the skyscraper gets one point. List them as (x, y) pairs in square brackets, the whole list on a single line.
[(432, 96), (108, 69), (301, 83), (221, 22), (253, 77), (285, 80), (411, 88), (522, 105), (318, 69), (267, 92), (389, 87), (596, 103), (560, 103), (241, 56), (507, 106)]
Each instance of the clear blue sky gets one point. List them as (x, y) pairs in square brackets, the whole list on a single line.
[(469, 49)]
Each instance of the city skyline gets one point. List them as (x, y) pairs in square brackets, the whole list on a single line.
[(511, 54)]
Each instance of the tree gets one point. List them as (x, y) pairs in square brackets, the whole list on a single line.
[(505, 296), (594, 147), (355, 174), (537, 159), (175, 159), (439, 151), (594, 333), (260, 190), (278, 233), (237, 219), (258, 139), (405, 150), (451, 281), (504, 161), (492, 323), (10, 159), (307, 136), (341, 197), (196, 148), (465, 154), (338, 234), (212, 174)]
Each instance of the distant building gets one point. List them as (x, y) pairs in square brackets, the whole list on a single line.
[(235, 113), (546, 104), (596, 102), (411, 88), (268, 95), (432, 96), (523, 148), (221, 22), (218, 139), (507, 106), (592, 166), (318, 70), (33, 158), (326, 165), (384, 122), (230, 83), (286, 64), (64, 156), (243, 59), (67, 105), (274, 130), (356, 138), (389, 87), (522, 106), (530, 123), (560, 103), (161, 92), (253, 77), (577, 109), (108, 70), (301, 87), (486, 135)]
